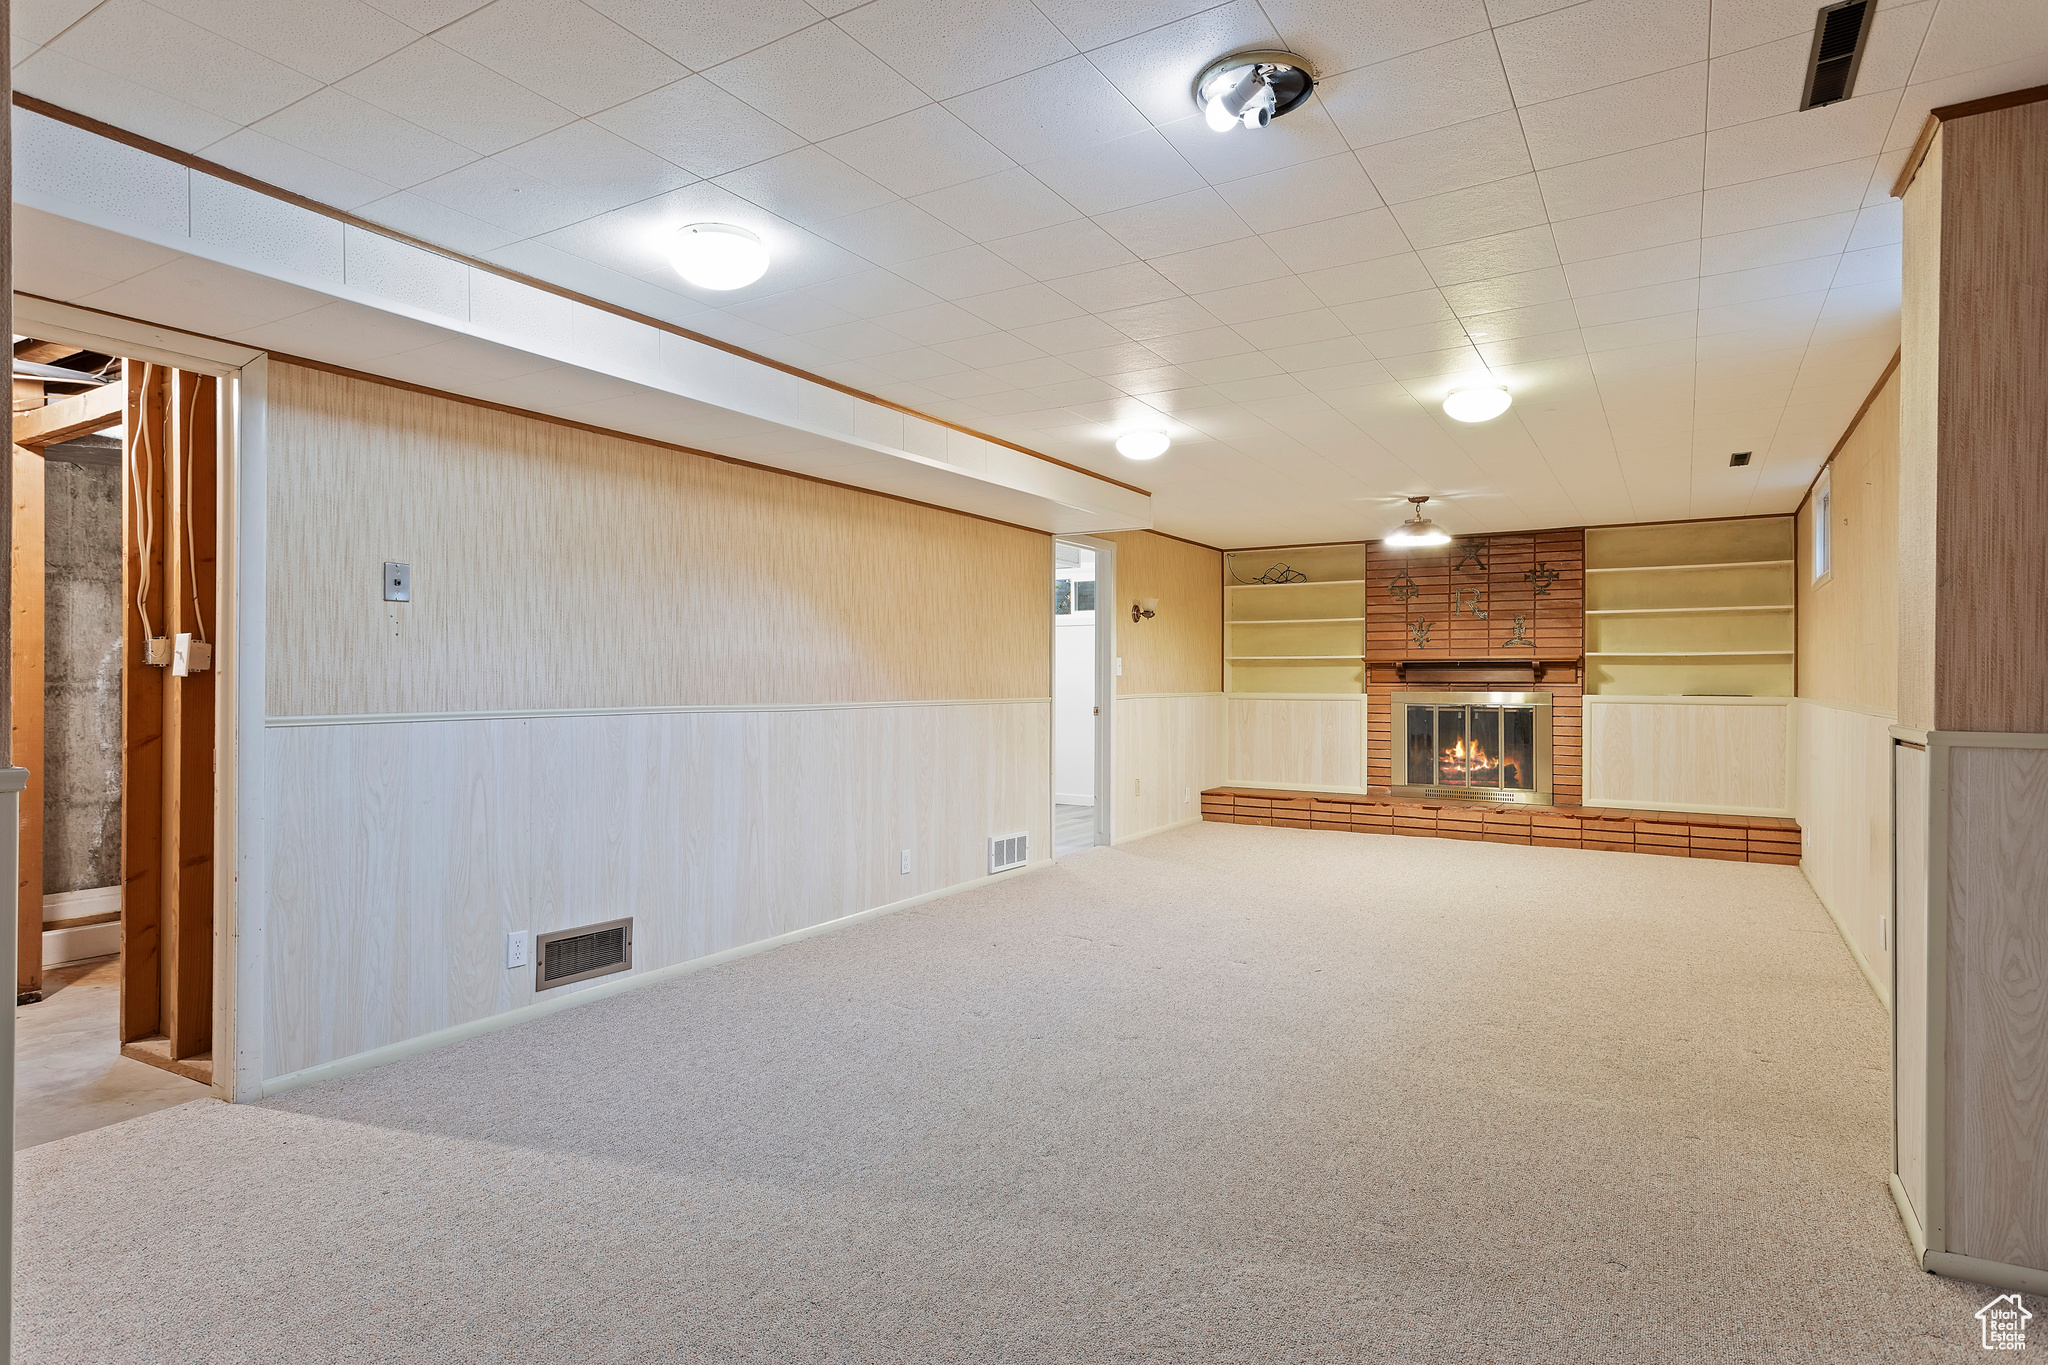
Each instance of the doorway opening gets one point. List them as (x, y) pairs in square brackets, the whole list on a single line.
[(114, 595), (1080, 691)]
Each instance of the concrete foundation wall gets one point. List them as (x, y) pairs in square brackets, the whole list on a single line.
[(82, 659)]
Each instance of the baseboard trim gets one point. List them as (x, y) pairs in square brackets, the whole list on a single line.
[(1997, 1274), (602, 990), (1156, 829), (1914, 1233), (1870, 976)]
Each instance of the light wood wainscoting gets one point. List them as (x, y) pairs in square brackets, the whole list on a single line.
[(1725, 755), (402, 852), (554, 568), (1305, 742), (1843, 800), (1166, 746)]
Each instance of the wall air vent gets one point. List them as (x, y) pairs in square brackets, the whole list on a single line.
[(578, 954), (1838, 43), (1007, 852)]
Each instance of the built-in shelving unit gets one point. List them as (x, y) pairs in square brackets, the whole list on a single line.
[(1702, 608), (1305, 636)]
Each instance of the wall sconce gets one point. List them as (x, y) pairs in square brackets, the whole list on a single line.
[(1144, 609)]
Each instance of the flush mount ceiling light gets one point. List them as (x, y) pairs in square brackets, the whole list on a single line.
[(718, 256), (1477, 405), (1419, 530), (1143, 445), (1251, 89)]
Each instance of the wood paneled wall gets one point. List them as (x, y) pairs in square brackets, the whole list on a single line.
[(1180, 649), (1843, 803), (1849, 625), (1169, 749), (401, 853), (554, 568), (1730, 757), (1311, 742)]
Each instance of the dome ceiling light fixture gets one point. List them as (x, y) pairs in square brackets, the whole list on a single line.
[(718, 256), (1477, 405), (1251, 89), (1418, 529), (1143, 445)]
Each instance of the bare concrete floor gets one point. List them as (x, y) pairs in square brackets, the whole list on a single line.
[(70, 1076)]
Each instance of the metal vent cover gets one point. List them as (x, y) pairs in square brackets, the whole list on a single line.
[(1838, 45), (581, 953), (1008, 851)]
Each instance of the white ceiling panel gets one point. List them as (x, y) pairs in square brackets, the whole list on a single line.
[(1009, 212)]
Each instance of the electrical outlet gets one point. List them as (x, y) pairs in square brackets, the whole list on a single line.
[(903, 864), (1185, 794), (515, 949), (1119, 668)]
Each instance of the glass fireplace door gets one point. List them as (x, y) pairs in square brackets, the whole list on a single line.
[(1489, 747)]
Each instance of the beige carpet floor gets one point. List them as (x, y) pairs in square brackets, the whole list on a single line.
[(1227, 1094)]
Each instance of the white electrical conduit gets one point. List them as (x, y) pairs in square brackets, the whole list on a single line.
[(140, 473), (185, 494)]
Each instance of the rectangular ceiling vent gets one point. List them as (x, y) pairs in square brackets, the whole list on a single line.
[(1837, 50), (578, 954), (1007, 852)]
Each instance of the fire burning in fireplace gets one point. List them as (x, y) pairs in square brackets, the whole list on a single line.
[(1473, 766)]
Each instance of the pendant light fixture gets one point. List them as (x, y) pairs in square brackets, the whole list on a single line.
[(1418, 529)]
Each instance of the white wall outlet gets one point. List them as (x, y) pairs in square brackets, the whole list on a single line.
[(1119, 667), (1186, 794), (515, 949), (903, 864)]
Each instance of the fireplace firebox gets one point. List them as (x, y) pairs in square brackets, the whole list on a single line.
[(1475, 746)]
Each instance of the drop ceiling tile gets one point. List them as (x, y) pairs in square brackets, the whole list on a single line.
[(949, 47), (1023, 306), (115, 99), (1039, 370), (1337, 35), (1637, 228), (445, 92), (325, 39), (1375, 282), (807, 186), (1227, 370), (266, 229), (1144, 383), (699, 127), (958, 274), (1308, 356), (969, 384), (1070, 336), (1458, 157), (934, 322), (1332, 242), (1634, 269), (1768, 282), (1483, 211), (859, 340), (35, 22), (1774, 245), (818, 82), (1787, 198), (212, 299), (1121, 357), (1076, 392), (793, 313), (1600, 43), (1879, 225), (1877, 301), (1852, 129), (344, 130), (1246, 261), (1403, 341), (999, 205), (1250, 302), (1618, 118), (924, 150), (1454, 82), (1052, 112), (1759, 82), (1123, 286), (142, 44), (427, 15), (1114, 175), (277, 163), (892, 232), (405, 274), (1641, 301), (1485, 257), (1165, 318), (1294, 329), (1188, 348), (501, 193), (1303, 136), (1784, 311), (437, 223), (1067, 249), (1964, 38), (602, 166), (1643, 175), (563, 50), (1872, 265), (1156, 67), (1510, 323), (1311, 192), (1530, 349), (1185, 222), (920, 363), (1343, 379), (703, 33), (871, 293), (1457, 361)]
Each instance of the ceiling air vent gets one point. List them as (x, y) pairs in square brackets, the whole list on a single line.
[(1007, 852), (1738, 459), (583, 952), (1837, 50)]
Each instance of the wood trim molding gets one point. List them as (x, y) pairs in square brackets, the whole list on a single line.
[(1936, 117), (1890, 368), (140, 143)]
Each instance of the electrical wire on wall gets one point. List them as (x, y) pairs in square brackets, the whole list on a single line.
[(141, 473), (185, 496)]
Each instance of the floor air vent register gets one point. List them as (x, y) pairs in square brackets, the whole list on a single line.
[(581, 953)]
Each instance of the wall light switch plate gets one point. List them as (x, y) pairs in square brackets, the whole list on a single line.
[(903, 864), (189, 656), (397, 582), (1119, 667), (1186, 793), (515, 949)]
